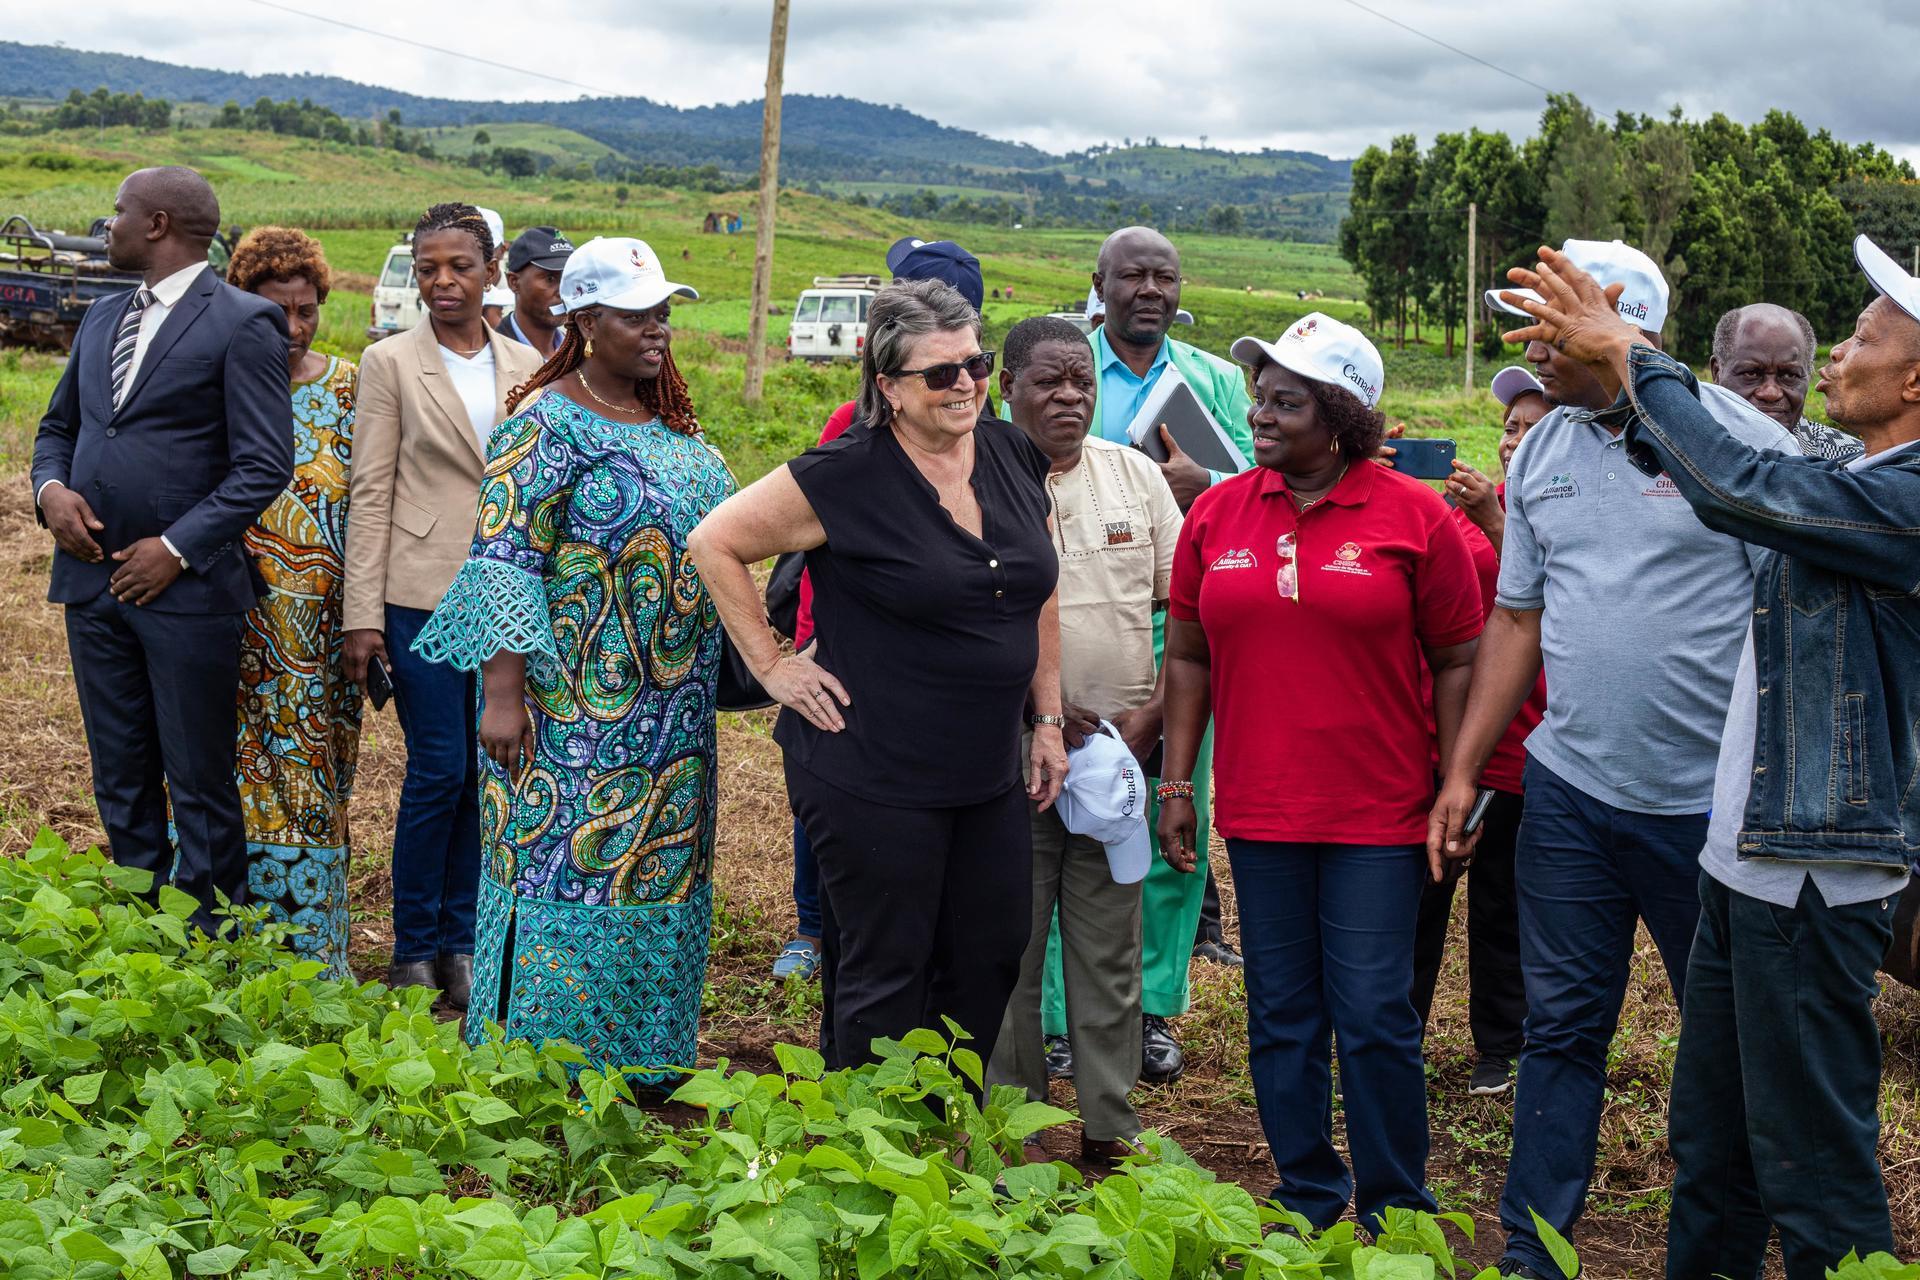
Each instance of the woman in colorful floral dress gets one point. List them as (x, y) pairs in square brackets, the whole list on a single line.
[(299, 714), (581, 606)]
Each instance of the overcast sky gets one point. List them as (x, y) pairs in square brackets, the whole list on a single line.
[(1322, 76)]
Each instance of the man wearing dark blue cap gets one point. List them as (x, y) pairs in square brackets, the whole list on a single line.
[(912, 258)]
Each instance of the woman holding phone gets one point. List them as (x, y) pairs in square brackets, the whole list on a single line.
[(428, 402)]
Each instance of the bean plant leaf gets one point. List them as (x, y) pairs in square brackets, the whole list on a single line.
[(216, 1261), (83, 1090), (1558, 1249)]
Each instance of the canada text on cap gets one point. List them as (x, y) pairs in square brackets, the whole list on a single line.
[(1319, 347), (1643, 294)]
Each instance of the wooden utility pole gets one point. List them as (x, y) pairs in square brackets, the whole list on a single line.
[(1473, 285), (769, 198)]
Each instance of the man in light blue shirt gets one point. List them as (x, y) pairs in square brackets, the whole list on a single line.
[(1138, 283)]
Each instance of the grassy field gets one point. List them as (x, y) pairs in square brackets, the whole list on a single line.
[(1233, 287)]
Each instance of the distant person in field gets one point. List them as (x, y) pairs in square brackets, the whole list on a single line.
[(1136, 285), (429, 401), (1776, 1110), (1497, 997), (168, 434), (909, 258), (926, 532), (299, 714), (534, 263), (1114, 525), (1601, 565), (1764, 354), (498, 300)]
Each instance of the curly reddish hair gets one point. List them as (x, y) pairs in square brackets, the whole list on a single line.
[(279, 253)]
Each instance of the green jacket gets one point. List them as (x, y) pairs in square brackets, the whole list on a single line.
[(1219, 384)]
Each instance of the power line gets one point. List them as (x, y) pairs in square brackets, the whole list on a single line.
[(434, 48), (1472, 57)]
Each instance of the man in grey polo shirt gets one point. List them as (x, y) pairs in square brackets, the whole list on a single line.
[(1776, 1088), (1638, 611)]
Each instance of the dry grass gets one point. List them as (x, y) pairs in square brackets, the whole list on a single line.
[(44, 779)]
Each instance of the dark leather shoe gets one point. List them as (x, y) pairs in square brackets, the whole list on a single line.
[(456, 980), (413, 973), (1216, 952), (1161, 1061), (1105, 1153), (1059, 1058)]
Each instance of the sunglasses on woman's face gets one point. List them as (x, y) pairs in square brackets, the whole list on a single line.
[(941, 376)]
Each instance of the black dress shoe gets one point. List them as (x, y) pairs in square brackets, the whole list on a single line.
[(1161, 1061), (1215, 952), (456, 980), (411, 973), (1105, 1153), (1059, 1058)]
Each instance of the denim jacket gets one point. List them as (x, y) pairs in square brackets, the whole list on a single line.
[(1836, 624)]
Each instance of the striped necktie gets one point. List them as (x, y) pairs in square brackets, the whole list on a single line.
[(126, 341)]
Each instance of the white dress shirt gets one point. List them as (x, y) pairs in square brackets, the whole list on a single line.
[(166, 295), (473, 382)]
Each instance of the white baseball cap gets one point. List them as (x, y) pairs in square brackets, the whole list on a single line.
[(1643, 301), (1319, 347), (1105, 796), (497, 294), (1095, 307), (1887, 276), (1513, 382), (618, 272)]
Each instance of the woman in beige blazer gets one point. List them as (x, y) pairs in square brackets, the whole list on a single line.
[(428, 401)]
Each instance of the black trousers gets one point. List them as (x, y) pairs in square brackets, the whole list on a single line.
[(924, 914), (157, 697), (1497, 995), (1775, 1113)]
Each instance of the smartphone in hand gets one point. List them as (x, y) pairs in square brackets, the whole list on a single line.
[(1423, 459), (379, 683)]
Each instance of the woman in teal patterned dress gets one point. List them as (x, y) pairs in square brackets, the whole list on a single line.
[(600, 654)]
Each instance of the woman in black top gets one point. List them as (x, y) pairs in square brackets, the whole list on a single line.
[(933, 573)]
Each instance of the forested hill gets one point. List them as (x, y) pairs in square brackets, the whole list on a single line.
[(816, 131)]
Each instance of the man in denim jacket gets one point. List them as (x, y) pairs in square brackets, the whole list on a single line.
[(1774, 1114)]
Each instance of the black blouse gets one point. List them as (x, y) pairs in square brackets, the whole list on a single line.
[(933, 632)]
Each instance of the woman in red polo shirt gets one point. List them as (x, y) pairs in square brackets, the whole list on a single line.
[(1306, 593)]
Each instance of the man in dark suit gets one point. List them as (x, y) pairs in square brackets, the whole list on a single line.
[(170, 431)]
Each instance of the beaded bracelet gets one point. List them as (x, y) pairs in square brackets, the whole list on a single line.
[(1168, 790)]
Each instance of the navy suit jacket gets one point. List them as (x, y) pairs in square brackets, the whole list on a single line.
[(199, 448)]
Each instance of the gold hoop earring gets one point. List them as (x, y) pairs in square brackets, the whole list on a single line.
[(589, 348), (1333, 446)]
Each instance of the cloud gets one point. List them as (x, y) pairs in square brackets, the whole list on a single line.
[(1328, 77)]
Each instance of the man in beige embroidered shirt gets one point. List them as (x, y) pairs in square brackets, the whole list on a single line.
[(1115, 525)]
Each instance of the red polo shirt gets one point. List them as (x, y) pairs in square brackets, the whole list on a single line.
[(1509, 758), (1320, 731)]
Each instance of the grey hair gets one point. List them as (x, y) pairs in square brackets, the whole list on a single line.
[(1729, 325), (903, 313)]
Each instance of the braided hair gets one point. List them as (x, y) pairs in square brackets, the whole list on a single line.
[(665, 395), (454, 216)]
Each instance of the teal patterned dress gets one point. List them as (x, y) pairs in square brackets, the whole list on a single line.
[(595, 892)]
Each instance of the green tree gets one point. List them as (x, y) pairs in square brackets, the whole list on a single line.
[(1659, 173), (1585, 185), (481, 138)]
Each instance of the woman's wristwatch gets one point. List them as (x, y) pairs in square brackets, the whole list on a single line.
[(1058, 722)]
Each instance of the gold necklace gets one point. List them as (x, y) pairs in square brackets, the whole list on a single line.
[(1308, 502), (581, 372)]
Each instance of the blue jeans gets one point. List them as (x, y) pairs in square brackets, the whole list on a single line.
[(436, 835), (1587, 873), (1327, 932), (806, 883)]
